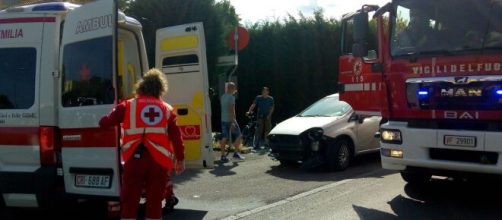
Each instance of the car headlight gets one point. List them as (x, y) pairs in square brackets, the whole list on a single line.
[(315, 134), (391, 136)]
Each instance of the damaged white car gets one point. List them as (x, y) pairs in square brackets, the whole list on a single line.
[(328, 132)]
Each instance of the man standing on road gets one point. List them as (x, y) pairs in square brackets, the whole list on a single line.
[(265, 107), (229, 128)]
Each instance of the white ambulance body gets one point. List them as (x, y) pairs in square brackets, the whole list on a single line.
[(62, 67), (180, 53)]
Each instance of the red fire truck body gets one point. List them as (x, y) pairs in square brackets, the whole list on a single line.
[(436, 79)]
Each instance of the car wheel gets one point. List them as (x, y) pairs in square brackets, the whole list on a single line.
[(416, 177), (339, 155)]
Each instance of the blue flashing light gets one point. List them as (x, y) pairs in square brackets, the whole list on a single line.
[(499, 92), (50, 7), (423, 93)]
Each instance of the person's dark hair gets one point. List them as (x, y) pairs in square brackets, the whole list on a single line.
[(153, 83)]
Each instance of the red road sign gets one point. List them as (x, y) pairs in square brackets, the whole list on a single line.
[(242, 41)]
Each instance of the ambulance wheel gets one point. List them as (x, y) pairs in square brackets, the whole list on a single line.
[(416, 177), (339, 155)]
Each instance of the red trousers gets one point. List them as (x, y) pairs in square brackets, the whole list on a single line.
[(139, 173)]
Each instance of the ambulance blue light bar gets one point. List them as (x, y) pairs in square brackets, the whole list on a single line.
[(50, 7), (499, 92)]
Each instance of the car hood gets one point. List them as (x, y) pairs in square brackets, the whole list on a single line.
[(296, 125)]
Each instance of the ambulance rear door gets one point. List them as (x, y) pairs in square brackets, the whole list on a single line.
[(181, 55), (90, 154)]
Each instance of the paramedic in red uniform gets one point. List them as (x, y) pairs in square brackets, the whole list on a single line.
[(151, 145)]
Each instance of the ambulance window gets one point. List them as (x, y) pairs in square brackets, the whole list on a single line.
[(181, 64), (17, 77), (129, 64), (181, 60), (87, 74)]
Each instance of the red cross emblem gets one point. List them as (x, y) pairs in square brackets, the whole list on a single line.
[(151, 114)]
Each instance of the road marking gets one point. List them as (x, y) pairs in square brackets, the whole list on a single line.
[(296, 197)]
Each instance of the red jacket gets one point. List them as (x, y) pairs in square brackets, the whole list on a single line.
[(118, 114)]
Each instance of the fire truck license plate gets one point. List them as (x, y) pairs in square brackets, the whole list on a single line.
[(92, 181), (460, 141)]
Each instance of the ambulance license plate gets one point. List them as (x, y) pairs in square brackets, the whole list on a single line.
[(459, 141), (92, 181)]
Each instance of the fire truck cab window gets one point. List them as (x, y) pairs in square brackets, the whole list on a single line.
[(17, 77), (87, 74), (441, 27), (348, 39)]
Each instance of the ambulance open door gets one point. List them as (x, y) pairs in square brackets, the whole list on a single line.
[(181, 55), (90, 155)]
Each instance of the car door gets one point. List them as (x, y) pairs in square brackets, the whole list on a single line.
[(366, 129), (181, 55), (90, 154)]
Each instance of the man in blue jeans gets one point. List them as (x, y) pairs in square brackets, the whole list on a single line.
[(229, 127), (265, 107)]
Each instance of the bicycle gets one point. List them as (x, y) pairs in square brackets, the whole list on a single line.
[(248, 132)]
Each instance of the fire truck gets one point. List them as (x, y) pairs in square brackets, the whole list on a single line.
[(433, 70), (64, 66)]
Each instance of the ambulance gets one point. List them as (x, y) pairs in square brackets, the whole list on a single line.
[(64, 66)]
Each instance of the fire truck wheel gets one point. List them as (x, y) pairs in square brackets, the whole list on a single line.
[(415, 177), (339, 155)]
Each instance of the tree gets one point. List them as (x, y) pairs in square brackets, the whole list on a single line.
[(296, 57)]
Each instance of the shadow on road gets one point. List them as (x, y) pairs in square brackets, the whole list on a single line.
[(188, 175), (221, 169), (443, 199), (362, 164), (186, 214)]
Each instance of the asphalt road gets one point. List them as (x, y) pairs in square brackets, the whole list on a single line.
[(259, 188)]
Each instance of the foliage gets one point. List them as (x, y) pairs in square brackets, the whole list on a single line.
[(296, 58)]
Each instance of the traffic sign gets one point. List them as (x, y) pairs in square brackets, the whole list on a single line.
[(242, 38)]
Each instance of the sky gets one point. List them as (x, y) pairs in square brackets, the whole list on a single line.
[(251, 11)]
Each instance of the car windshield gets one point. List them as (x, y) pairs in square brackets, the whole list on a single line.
[(446, 26), (326, 107)]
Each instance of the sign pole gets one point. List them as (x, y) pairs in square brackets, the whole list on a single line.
[(236, 49)]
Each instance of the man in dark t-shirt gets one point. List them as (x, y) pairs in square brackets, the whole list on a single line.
[(264, 104)]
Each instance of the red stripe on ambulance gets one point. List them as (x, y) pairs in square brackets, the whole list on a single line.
[(89, 137), (19, 136), (28, 20)]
